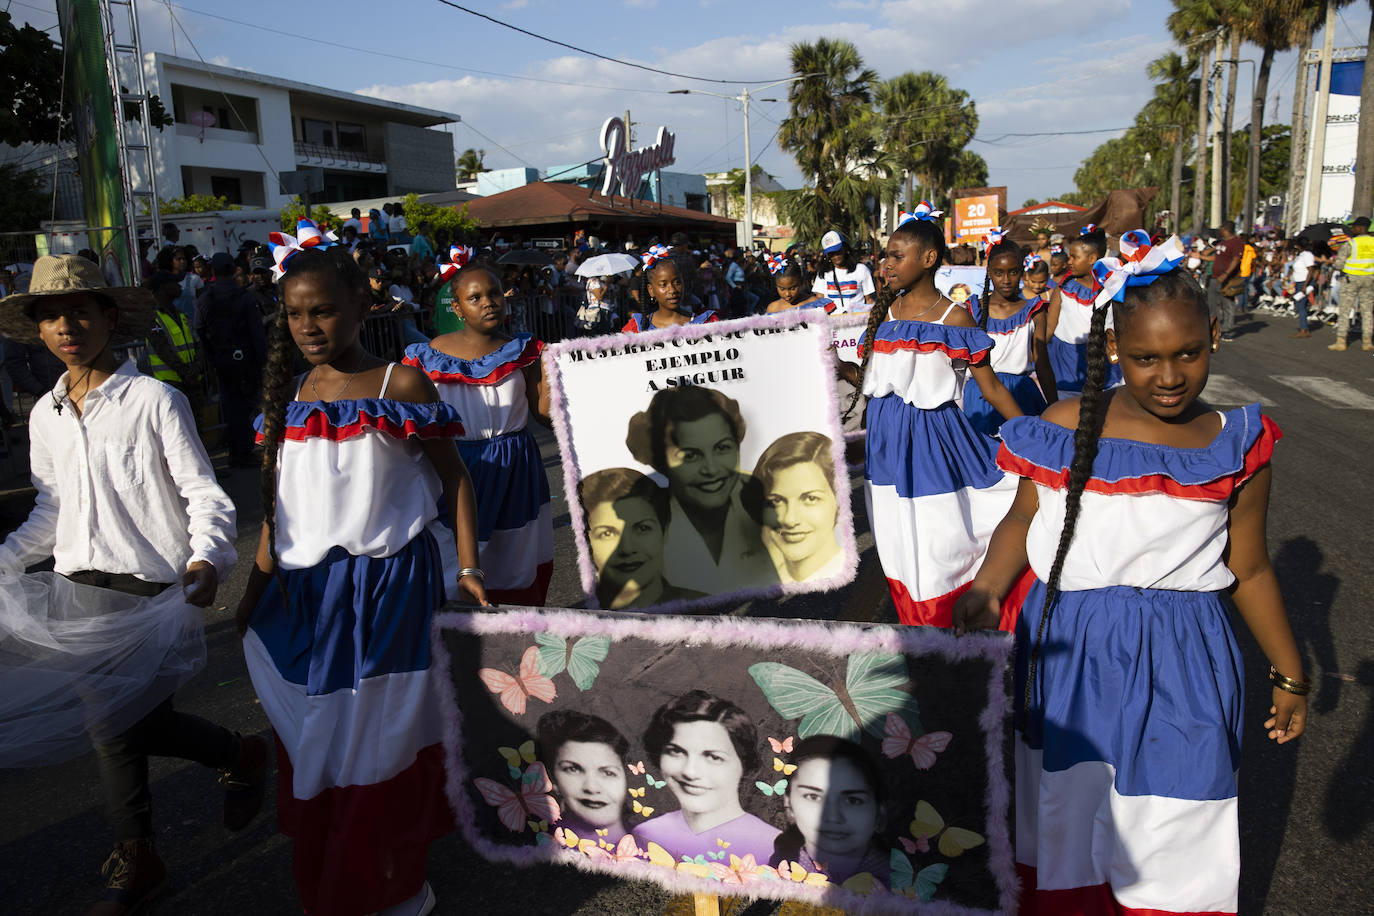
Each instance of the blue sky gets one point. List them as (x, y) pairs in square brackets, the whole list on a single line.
[(1033, 66)]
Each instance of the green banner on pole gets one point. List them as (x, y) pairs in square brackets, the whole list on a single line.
[(90, 100)]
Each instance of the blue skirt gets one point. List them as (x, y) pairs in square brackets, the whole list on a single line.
[(1146, 680), (985, 417), (923, 452), (508, 480), (1070, 364)]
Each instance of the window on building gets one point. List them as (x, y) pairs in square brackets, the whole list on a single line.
[(320, 133), (231, 189), (352, 137)]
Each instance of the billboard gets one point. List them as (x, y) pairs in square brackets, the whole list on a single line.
[(91, 102), (1342, 139)]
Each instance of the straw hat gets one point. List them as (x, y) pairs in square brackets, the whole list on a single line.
[(58, 275)]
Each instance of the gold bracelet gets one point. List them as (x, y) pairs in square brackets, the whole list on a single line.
[(1291, 685)]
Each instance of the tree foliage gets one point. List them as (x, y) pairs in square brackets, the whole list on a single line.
[(454, 219), (927, 124), (470, 163), (23, 203), (192, 203), (294, 209), (31, 78)]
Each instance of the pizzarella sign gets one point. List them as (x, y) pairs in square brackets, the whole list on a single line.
[(627, 167)]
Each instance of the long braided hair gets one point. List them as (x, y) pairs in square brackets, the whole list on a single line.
[(921, 232), (1176, 284), (279, 374)]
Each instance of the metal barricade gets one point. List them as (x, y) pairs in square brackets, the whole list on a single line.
[(387, 334)]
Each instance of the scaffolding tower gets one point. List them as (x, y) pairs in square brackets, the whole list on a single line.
[(133, 137)]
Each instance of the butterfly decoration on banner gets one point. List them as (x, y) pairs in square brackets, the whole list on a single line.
[(286, 246), (870, 683), (653, 783), (786, 769), (898, 740), (514, 690), (928, 824), (776, 789), (515, 756), (639, 806), (793, 871), (458, 257), (781, 747), (581, 659), (531, 799), (922, 211), (918, 884)]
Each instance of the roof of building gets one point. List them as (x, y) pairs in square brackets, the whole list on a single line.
[(396, 111), (541, 203), (1048, 206)]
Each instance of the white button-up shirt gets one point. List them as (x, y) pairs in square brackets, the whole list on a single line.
[(125, 487)]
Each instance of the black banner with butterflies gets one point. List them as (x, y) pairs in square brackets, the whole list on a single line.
[(860, 767)]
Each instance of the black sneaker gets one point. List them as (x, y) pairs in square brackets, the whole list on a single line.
[(1228, 337), (134, 875)]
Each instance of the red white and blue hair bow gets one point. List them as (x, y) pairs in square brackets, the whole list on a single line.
[(285, 246), (1056, 249), (1088, 229), (922, 211), (995, 236), (776, 263), (458, 256), (655, 254), (1140, 264), (1031, 260)]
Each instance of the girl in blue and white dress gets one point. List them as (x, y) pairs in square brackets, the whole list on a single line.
[(1137, 509), (1017, 329), (1071, 311), (661, 287), (496, 384), (335, 618), (933, 488), (793, 290)]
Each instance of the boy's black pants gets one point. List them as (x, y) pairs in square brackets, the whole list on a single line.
[(164, 732)]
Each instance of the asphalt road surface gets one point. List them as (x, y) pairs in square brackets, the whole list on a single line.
[(1307, 809)]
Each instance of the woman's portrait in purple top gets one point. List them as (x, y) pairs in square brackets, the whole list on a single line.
[(837, 805), (585, 756), (704, 747)]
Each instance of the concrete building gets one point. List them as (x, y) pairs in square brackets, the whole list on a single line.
[(236, 129)]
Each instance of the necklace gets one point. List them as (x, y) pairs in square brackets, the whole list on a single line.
[(340, 392), (938, 299)]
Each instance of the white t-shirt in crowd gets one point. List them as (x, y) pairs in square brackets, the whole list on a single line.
[(1302, 264), (356, 223), (397, 226), (847, 288)]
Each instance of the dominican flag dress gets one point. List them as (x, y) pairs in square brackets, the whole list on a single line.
[(1126, 767), (1013, 359), (932, 485), (514, 510), (341, 661), (1068, 347), (640, 322)]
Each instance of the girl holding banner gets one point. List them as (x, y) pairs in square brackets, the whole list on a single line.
[(662, 286)]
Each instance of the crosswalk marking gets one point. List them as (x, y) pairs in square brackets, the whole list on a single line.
[(1332, 393), (1224, 390)]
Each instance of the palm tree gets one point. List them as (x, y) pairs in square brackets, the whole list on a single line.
[(1274, 25), (830, 132), (1194, 24), (927, 124), (1174, 98), (470, 164)]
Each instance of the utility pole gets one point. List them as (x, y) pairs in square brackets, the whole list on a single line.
[(1297, 149), (1364, 146), (1312, 211), (1217, 171)]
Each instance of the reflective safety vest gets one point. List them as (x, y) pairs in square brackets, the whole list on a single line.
[(178, 331), (1361, 260)]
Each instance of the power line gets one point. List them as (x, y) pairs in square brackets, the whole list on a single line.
[(1052, 133), (410, 60), (596, 54), (468, 124)]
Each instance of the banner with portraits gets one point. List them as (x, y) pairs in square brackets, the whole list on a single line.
[(960, 283), (701, 462), (855, 767)]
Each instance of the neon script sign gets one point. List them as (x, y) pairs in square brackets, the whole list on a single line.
[(627, 167)]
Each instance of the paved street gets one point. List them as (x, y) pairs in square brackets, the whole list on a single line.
[(1307, 810)]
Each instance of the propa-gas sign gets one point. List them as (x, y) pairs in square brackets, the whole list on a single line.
[(627, 167)]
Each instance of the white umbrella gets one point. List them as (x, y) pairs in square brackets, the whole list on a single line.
[(603, 265)]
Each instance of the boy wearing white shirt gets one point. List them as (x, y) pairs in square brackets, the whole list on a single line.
[(127, 500)]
